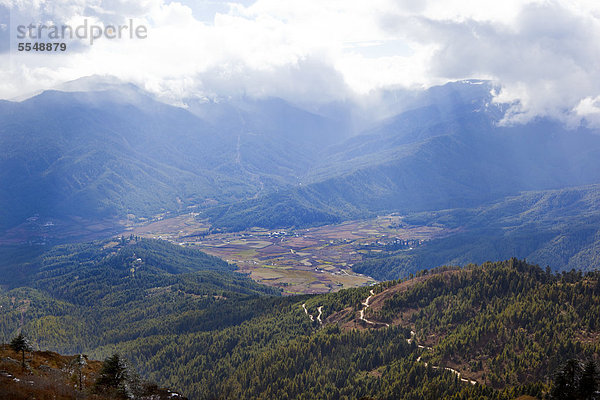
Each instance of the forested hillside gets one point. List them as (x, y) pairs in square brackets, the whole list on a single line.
[(447, 150), (507, 326), (499, 323), (80, 296), (504, 327), (556, 228)]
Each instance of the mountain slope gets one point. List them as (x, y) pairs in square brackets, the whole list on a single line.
[(82, 157), (76, 157), (99, 155), (557, 228), (448, 154), (75, 296), (472, 312)]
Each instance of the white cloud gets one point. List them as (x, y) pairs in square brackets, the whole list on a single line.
[(588, 109), (545, 55)]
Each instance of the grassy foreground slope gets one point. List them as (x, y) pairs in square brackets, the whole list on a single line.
[(49, 375)]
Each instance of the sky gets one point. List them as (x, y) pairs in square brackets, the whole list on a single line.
[(543, 56)]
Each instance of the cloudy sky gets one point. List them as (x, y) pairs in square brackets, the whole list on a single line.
[(544, 55)]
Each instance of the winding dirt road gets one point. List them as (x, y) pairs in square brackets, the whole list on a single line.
[(410, 340), (320, 310), (366, 305), (455, 372), (306, 311)]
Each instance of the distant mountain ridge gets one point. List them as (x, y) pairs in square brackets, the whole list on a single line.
[(108, 153), (451, 155), (103, 154)]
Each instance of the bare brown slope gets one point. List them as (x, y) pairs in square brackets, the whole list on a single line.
[(49, 375)]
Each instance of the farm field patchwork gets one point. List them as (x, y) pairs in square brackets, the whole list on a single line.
[(311, 260)]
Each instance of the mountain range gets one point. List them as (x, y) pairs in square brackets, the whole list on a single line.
[(452, 154), (103, 154)]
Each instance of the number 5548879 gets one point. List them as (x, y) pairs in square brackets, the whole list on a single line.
[(26, 46)]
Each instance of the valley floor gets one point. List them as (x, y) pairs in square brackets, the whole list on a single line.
[(299, 261)]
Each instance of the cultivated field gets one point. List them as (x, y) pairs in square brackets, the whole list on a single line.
[(313, 260)]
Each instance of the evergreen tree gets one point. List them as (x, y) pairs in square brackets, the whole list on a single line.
[(114, 376), (576, 381), (20, 344), (588, 383)]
